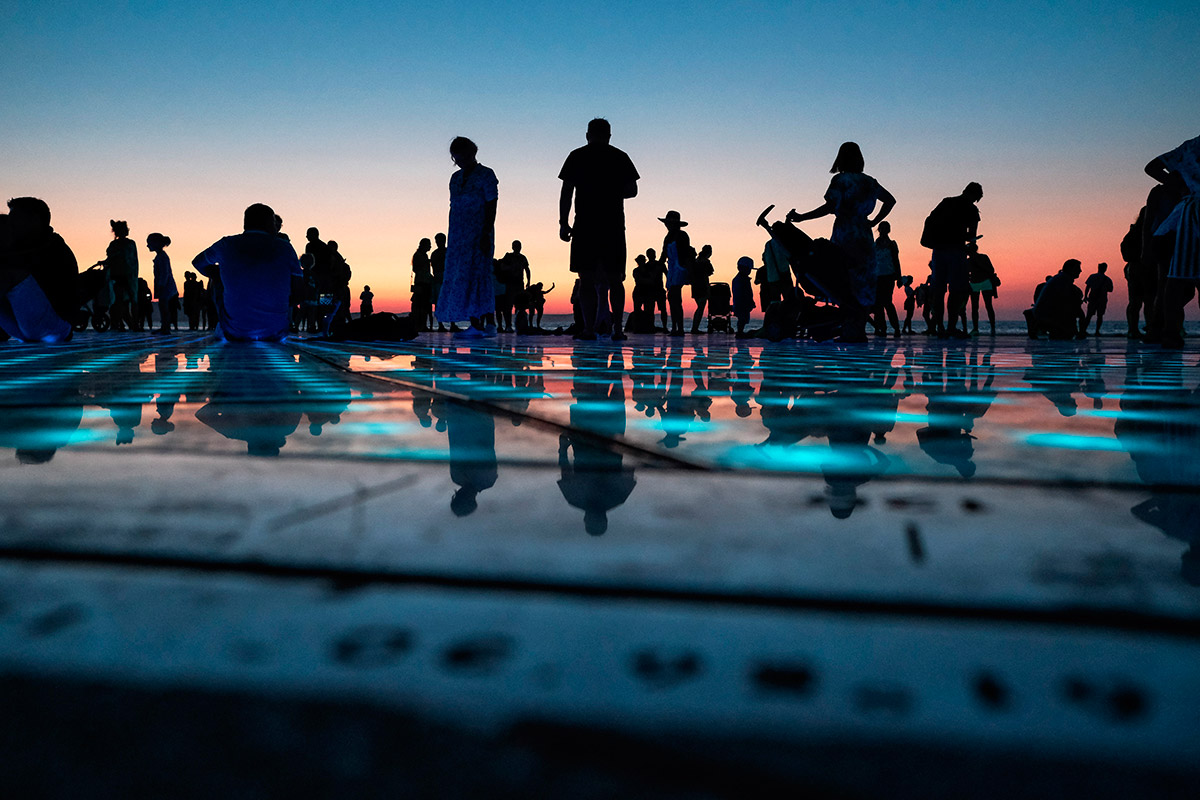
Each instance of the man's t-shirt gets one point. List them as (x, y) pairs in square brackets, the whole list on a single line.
[(53, 266), (600, 174), (256, 270), (1098, 288)]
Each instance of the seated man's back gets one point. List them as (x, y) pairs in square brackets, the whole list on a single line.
[(255, 269)]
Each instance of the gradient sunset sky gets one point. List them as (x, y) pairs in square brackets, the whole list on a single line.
[(177, 116)]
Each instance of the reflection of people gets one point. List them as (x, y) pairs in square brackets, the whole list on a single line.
[(39, 294), (37, 425), (471, 436), (235, 408), (1161, 432), (851, 197), (254, 271), (597, 480), (467, 291), (600, 178)]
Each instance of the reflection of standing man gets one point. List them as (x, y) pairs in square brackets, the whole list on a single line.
[(597, 481), (600, 177)]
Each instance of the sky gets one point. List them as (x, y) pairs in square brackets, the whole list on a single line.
[(176, 116)]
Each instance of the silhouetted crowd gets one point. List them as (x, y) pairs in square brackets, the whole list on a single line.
[(258, 288)]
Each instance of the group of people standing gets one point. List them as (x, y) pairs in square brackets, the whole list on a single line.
[(256, 280)]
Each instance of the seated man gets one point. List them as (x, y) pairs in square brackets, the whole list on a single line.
[(1058, 309), (38, 275), (252, 278)]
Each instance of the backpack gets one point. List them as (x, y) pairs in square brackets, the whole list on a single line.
[(936, 231)]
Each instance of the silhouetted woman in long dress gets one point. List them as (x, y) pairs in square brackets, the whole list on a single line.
[(467, 291), (851, 197)]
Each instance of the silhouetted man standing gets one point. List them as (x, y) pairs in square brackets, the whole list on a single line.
[(949, 228), (600, 178)]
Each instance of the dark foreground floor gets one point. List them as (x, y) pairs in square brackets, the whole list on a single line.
[(673, 568)]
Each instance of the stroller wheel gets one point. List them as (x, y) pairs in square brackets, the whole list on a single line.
[(81, 321), (100, 322)]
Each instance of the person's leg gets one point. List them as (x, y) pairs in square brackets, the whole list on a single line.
[(587, 304), (164, 315), (991, 312), (974, 312), (701, 303), (1176, 294), (615, 286), (675, 300)]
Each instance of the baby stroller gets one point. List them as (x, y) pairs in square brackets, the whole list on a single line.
[(822, 272), (94, 301), (720, 306)]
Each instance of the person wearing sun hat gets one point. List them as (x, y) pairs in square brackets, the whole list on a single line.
[(678, 252)]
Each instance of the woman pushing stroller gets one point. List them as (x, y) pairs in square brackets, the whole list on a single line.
[(851, 197)]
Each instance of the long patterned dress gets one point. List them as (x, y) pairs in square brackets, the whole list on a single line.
[(467, 281), (853, 195)]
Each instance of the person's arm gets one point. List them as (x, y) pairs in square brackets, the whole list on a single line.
[(488, 234), (889, 202), (820, 211), (207, 262), (972, 229), (564, 211), (896, 258)]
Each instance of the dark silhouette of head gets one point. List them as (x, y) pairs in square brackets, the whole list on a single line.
[(366, 288), (849, 159), (440, 239), (595, 521), (463, 150), (120, 227), (156, 241), (640, 260), (312, 234), (1102, 267), (259, 217), (333, 246), (973, 192), (516, 246), (35, 456), (464, 502), (278, 223), (745, 264), (424, 245), (706, 250), (1072, 268), (599, 131), (651, 254), (27, 215), (884, 227)]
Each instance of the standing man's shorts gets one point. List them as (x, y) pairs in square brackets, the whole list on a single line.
[(949, 269), (599, 255)]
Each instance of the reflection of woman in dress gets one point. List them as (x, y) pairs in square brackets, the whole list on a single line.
[(851, 198), (470, 242)]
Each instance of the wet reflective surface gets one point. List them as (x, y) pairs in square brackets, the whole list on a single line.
[(1039, 499)]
